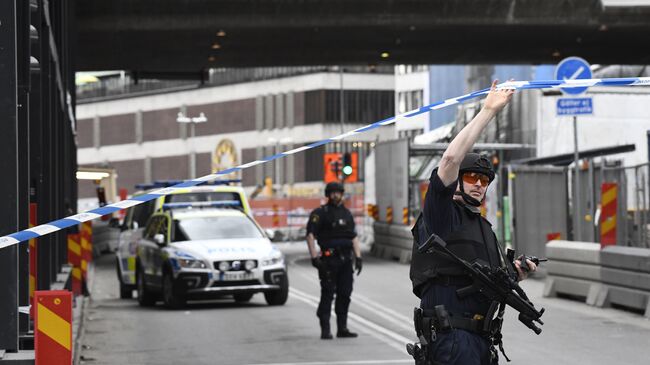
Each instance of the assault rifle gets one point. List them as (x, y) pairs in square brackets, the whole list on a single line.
[(496, 284)]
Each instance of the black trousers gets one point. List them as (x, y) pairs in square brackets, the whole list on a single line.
[(335, 278), (457, 347)]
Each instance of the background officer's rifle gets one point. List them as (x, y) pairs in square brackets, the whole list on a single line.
[(496, 284)]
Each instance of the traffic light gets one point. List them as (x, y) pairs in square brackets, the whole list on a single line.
[(347, 164), (335, 167)]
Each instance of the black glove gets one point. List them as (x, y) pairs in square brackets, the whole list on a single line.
[(358, 265), (316, 262)]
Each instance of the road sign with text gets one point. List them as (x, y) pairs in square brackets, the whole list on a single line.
[(574, 106)]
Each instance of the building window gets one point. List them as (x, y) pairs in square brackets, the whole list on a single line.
[(410, 133), (361, 106), (409, 100), (408, 69)]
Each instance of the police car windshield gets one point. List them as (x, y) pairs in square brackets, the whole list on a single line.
[(203, 196), (207, 228)]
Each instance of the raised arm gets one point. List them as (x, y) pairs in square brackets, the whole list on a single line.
[(464, 141)]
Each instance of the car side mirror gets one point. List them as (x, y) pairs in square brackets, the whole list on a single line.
[(159, 238), (270, 233)]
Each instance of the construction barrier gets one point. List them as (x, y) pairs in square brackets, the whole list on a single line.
[(53, 327), (392, 241), (276, 217), (373, 211), (405, 216), (609, 203), (613, 275), (74, 259), (554, 236), (86, 236), (389, 215), (33, 247)]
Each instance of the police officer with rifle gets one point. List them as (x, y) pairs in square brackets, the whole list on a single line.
[(458, 269)]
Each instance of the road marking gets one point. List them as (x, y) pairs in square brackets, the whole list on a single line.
[(382, 311), (357, 362), (393, 339)]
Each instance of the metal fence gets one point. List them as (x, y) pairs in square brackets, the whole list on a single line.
[(633, 202), (543, 203)]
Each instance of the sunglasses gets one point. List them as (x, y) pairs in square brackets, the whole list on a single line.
[(473, 177)]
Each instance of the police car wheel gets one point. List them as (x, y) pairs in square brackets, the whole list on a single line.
[(278, 297), (172, 297), (243, 297), (145, 297)]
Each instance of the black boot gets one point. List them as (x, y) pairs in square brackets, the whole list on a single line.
[(345, 333), (325, 333), (342, 324)]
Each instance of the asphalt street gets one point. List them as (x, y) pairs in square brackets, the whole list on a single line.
[(118, 331)]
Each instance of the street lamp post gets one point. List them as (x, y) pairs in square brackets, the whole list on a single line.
[(192, 121)]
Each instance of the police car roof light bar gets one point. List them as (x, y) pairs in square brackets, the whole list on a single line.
[(215, 204)]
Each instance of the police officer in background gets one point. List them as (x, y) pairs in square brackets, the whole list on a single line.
[(451, 210), (332, 225)]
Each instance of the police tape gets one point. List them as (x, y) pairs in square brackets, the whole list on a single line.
[(57, 225)]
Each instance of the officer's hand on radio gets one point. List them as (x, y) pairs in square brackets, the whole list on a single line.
[(524, 269), (358, 265), (316, 262)]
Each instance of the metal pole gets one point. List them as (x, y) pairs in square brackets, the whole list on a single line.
[(342, 119), (502, 183), (9, 186), (278, 177), (192, 151), (577, 236)]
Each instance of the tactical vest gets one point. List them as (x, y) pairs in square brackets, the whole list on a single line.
[(336, 223), (473, 241)]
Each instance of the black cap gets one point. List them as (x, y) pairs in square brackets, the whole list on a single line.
[(473, 162), (333, 186)]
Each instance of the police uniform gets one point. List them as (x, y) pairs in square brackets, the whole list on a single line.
[(333, 226), (435, 278)]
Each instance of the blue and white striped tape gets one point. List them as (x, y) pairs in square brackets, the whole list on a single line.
[(70, 221)]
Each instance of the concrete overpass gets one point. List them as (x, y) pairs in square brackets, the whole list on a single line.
[(190, 36)]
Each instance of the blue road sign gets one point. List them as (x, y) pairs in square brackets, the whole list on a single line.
[(574, 106), (573, 68)]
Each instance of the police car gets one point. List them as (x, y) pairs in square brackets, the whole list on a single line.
[(137, 217), (206, 250)]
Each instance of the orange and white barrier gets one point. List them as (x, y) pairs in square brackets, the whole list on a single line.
[(53, 327)]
